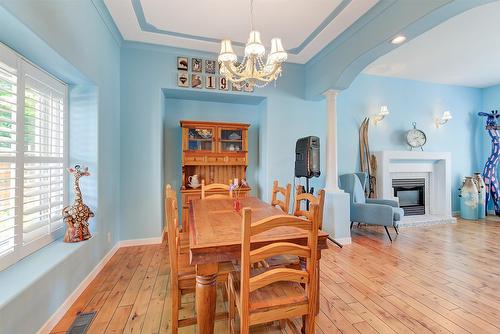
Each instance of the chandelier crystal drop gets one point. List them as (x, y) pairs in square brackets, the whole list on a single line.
[(252, 70)]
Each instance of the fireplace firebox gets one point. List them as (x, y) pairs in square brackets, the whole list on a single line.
[(411, 194)]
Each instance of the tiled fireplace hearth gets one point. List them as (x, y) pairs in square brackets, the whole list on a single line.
[(421, 181)]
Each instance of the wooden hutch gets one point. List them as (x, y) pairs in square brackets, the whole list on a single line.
[(217, 152)]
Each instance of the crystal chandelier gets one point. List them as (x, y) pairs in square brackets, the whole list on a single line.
[(252, 70)]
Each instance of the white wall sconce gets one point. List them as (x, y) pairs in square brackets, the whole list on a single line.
[(444, 119), (384, 111)]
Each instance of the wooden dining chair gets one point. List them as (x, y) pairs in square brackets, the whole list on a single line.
[(300, 211), (215, 186), (285, 192), (259, 295), (182, 274), (184, 235), (302, 198)]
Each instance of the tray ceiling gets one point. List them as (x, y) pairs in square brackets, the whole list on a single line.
[(304, 26)]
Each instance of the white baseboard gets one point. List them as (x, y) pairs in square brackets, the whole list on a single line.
[(138, 242), (61, 311)]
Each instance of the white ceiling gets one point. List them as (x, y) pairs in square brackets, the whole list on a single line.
[(304, 26), (465, 51)]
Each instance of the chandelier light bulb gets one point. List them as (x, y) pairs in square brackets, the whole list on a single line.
[(226, 52), (278, 53), (254, 45)]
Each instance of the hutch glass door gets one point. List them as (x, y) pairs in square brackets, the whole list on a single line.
[(231, 140), (200, 139)]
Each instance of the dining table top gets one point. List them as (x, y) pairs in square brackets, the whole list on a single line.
[(215, 229)]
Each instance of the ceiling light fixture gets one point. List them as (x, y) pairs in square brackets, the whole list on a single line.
[(398, 39), (252, 70)]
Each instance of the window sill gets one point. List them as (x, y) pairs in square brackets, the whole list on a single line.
[(21, 275)]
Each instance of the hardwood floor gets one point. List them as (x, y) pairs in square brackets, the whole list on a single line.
[(437, 279)]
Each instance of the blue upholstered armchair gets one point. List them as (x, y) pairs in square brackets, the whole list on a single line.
[(382, 212)]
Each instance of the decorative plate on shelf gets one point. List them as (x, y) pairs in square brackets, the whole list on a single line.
[(234, 136)]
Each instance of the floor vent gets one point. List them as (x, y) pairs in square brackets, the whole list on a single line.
[(81, 323)]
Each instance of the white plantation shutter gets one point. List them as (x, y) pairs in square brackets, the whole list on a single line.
[(8, 182), (32, 157)]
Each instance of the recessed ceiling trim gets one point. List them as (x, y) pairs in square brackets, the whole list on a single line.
[(145, 26)]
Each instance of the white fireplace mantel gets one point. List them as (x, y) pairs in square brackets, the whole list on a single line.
[(437, 165)]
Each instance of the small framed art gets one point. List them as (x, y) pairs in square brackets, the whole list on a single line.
[(182, 79), (182, 63), (196, 81), (210, 82), (223, 83), (248, 88), (210, 66), (196, 65), (237, 87)]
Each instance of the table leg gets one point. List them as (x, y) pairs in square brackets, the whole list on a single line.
[(206, 296)]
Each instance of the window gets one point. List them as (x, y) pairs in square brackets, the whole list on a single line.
[(33, 187)]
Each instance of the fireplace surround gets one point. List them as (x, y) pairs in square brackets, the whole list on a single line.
[(433, 198)]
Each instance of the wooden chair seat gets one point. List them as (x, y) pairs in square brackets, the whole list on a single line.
[(272, 296)]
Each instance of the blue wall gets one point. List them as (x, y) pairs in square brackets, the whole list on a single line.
[(491, 98), (70, 40), (145, 72), (412, 101)]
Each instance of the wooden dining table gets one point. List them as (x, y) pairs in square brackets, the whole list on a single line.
[(215, 237)]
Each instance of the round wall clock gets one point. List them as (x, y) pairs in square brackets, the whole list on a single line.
[(416, 138)]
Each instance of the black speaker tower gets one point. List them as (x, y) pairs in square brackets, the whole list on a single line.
[(307, 160)]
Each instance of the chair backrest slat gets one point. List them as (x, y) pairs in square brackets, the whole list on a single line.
[(278, 275), (278, 221), (277, 248), (283, 204), (303, 197), (215, 186)]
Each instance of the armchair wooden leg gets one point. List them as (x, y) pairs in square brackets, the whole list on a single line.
[(388, 234), (396, 229), (352, 224)]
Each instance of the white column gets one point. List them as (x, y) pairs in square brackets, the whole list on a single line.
[(332, 173), (336, 220)]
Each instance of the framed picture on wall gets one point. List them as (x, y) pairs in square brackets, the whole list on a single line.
[(236, 87), (223, 83), (182, 63), (196, 81), (210, 66), (248, 88), (182, 79), (210, 82), (196, 65)]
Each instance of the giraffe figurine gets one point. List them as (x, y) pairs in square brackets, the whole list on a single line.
[(77, 215), (490, 168)]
